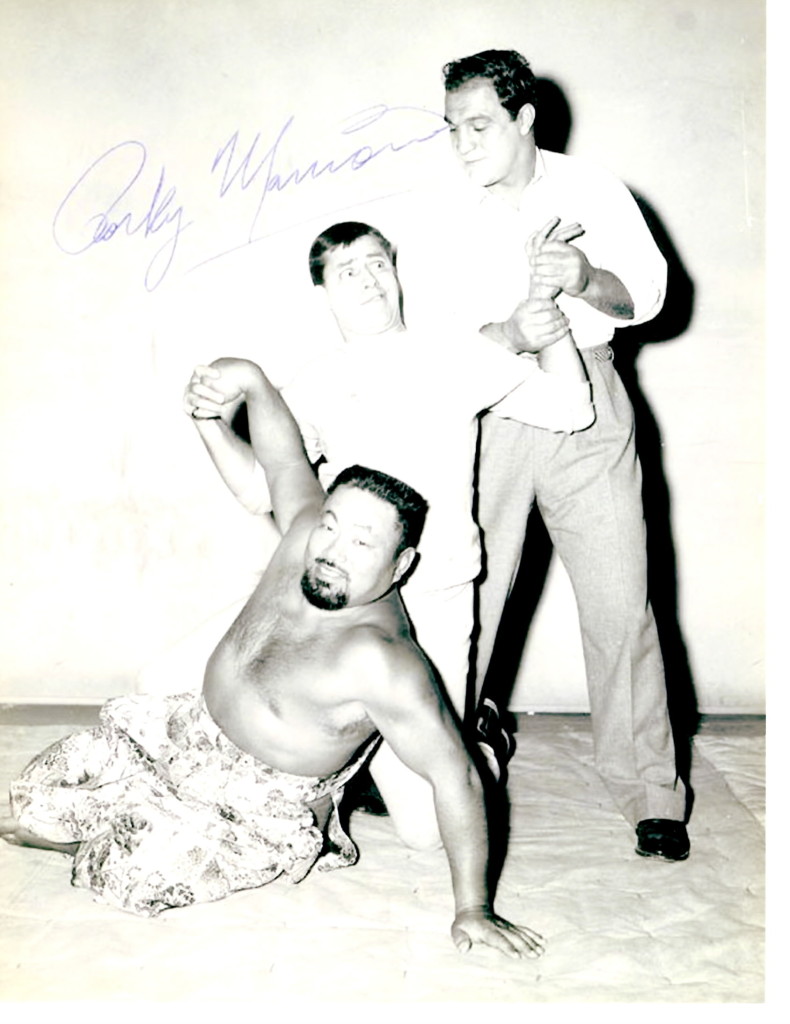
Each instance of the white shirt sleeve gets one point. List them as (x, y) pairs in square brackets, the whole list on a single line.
[(482, 271), (617, 239), (299, 399), (515, 387), (550, 401)]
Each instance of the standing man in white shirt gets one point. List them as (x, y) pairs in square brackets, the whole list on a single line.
[(587, 485), (407, 403)]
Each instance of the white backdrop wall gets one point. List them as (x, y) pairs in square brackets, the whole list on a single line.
[(182, 133)]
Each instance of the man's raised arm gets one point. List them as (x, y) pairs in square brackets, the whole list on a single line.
[(560, 397), (276, 442)]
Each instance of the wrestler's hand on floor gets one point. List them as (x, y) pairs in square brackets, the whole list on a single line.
[(485, 928)]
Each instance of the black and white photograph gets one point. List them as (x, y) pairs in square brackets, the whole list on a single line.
[(386, 533)]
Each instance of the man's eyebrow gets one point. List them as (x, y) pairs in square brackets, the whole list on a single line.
[(374, 254), (469, 117)]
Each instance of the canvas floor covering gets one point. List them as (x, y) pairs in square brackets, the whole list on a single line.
[(619, 928)]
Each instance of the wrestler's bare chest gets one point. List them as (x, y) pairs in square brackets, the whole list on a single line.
[(277, 686)]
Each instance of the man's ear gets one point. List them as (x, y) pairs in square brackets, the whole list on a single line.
[(403, 564), (526, 119)]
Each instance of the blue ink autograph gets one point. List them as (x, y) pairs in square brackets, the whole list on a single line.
[(78, 224), (105, 224), (251, 168)]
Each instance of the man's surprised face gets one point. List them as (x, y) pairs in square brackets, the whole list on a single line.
[(362, 287)]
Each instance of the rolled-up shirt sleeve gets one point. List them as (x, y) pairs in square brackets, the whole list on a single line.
[(629, 250), (618, 239)]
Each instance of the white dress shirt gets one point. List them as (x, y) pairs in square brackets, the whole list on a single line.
[(407, 403), (461, 255)]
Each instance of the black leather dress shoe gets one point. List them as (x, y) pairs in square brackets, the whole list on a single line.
[(662, 837)]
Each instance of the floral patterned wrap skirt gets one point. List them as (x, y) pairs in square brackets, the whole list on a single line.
[(169, 812)]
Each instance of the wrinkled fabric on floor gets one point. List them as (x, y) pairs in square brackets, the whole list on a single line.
[(169, 812), (618, 927)]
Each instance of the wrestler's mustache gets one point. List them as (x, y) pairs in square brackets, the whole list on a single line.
[(331, 565)]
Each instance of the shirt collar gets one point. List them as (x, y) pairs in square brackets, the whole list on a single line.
[(484, 196)]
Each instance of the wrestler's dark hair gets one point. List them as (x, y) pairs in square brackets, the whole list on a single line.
[(507, 70), (340, 235), (411, 507)]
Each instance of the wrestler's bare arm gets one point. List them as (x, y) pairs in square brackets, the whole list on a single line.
[(276, 442), (401, 698)]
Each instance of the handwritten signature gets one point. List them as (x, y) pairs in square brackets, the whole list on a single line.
[(82, 221), (160, 210)]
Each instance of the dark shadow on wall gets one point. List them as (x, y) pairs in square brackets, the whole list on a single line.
[(553, 121), (553, 128), (671, 323)]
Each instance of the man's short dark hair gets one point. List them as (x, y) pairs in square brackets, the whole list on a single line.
[(340, 235), (507, 70), (410, 505)]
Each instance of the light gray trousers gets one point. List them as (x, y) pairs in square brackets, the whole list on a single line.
[(588, 488)]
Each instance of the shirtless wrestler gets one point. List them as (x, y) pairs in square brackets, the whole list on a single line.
[(321, 660)]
